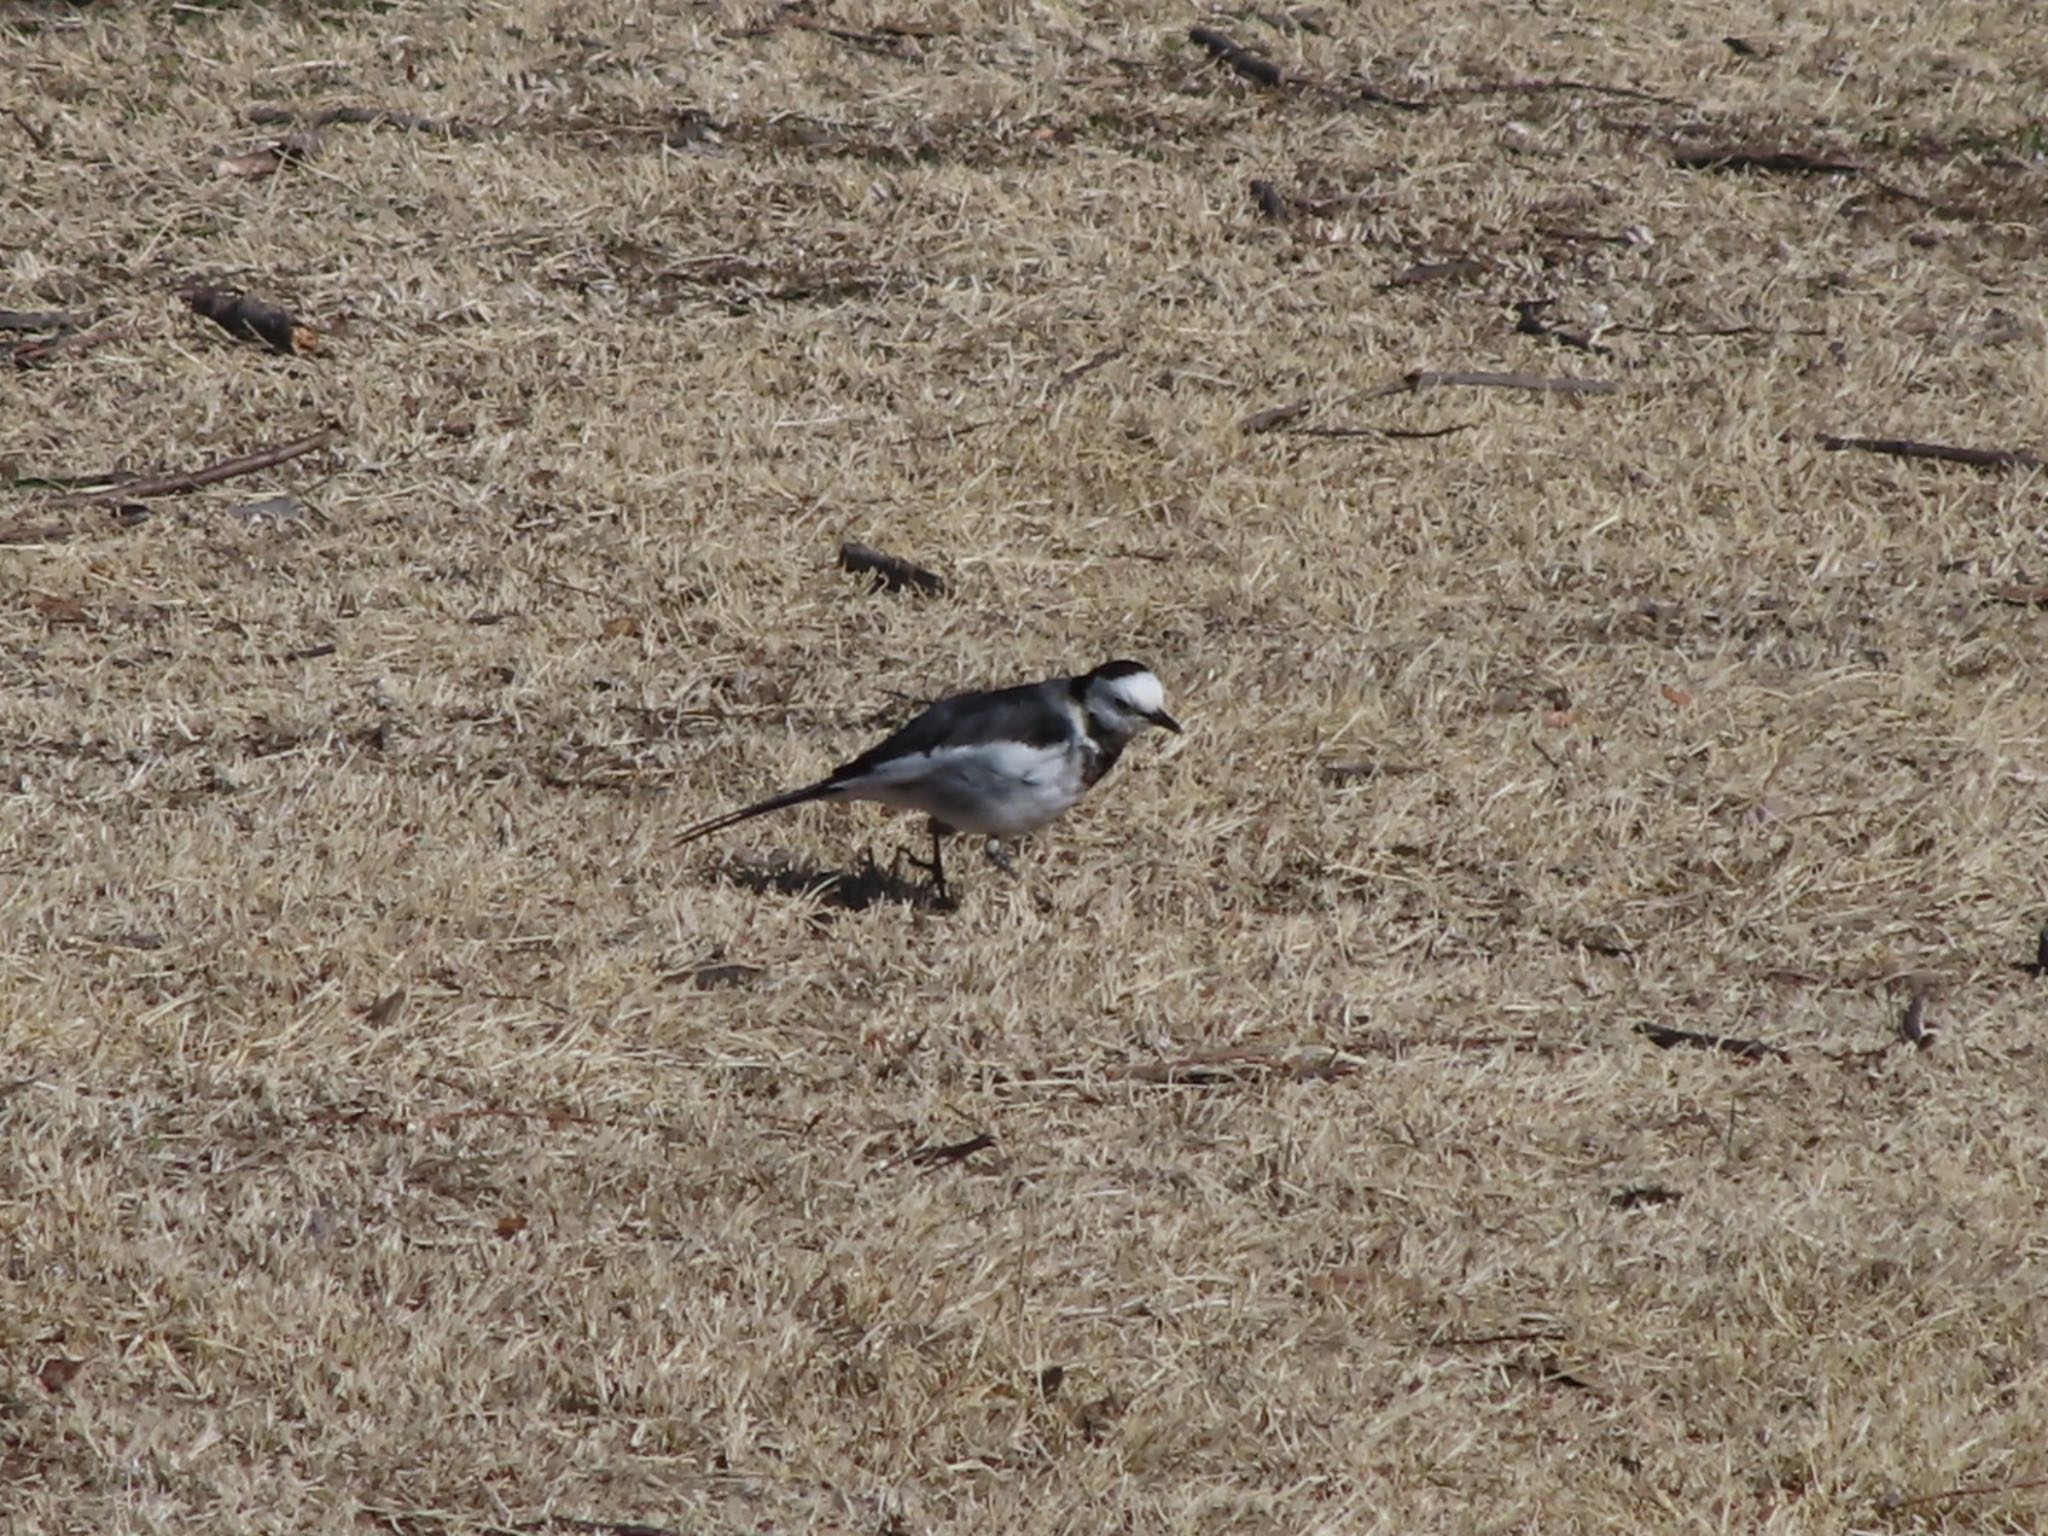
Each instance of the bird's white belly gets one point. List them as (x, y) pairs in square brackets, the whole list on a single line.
[(990, 789)]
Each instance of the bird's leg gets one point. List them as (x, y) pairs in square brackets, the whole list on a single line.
[(937, 867), (1001, 857)]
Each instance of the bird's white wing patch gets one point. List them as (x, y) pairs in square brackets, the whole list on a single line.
[(991, 789)]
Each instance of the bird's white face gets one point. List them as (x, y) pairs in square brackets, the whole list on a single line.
[(1128, 703)]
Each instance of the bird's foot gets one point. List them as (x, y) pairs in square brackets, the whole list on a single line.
[(936, 894)]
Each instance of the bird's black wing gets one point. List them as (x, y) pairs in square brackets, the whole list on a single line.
[(1036, 714)]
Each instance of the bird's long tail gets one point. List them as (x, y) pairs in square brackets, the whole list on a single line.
[(824, 789)]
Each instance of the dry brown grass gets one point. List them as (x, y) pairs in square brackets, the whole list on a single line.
[(374, 1141)]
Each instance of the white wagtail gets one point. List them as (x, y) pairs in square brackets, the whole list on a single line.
[(995, 764)]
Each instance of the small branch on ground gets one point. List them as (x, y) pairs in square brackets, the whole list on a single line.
[(950, 1152), (1270, 203), (1664, 1037), (1638, 1196), (889, 38), (1260, 70), (1082, 369), (37, 354), (892, 572), (252, 319), (1254, 67), (1404, 434), (1530, 321), (1274, 417), (1750, 157), (37, 320), (1907, 448), (1723, 330), (1455, 270), (1223, 1068), (1893, 1503), (1429, 378), (37, 134), (370, 117), (1913, 1026), (173, 484), (1546, 87)]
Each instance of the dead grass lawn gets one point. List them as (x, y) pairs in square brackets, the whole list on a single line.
[(400, 1134)]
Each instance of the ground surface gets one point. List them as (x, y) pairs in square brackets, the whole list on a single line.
[(402, 1134)]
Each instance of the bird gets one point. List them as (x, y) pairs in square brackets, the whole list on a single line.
[(993, 763)]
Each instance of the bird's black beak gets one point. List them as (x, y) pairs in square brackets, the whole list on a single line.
[(1161, 717)]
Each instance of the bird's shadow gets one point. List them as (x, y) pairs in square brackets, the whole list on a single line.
[(867, 884)]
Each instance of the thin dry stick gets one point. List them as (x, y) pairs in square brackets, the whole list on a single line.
[(373, 117), (1907, 448), (893, 572), (1788, 162), (212, 474), (1425, 378), (1261, 70), (36, 320), (1987, 1490), (1664, 1037), (1586, 87), (1408, 434), (33, 354)]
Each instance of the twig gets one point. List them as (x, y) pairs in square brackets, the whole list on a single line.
[(1271, 204), (373, 117), (893, 572), (34, 354), (1913, 1027), (1790, 162), (951, 1152), (1893, 1502), (1082, 369), (1638, 1195), (1907, 448), (37, 135), (1261, 70), (1664, 1037), (36, 320), (1274, 417), (1530, 322), (1426, 378), (1586, 87), (1723, 330), (1406, 434), (1209, 1069), (227, 469), (1458, 267), (1254, 67), (251, 319)]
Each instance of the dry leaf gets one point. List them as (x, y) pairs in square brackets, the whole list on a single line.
[(57, 1373), (623, 625), (511, 1226), (1676, 696)]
